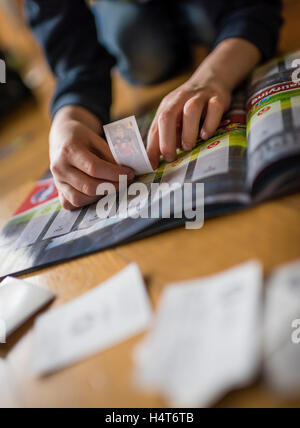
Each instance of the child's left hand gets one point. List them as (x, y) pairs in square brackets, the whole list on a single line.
[(206, 95), (178, 118)]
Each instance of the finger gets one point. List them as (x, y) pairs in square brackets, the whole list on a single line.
[(192, 114), (101, 148), (95, 167), (167, 128), (215, 111), (179, 134), (84, 183), (76, 198), (66, 205), (153, 149)]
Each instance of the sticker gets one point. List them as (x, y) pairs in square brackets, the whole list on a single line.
[(63, 223), (33, 230), (214, 160), (175, 173), (295, 101), (266, 123)]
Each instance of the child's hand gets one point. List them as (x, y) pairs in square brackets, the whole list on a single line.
[(178, 118), (80, 159), (207, 96)]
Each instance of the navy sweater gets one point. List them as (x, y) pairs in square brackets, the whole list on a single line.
[(67, 32)]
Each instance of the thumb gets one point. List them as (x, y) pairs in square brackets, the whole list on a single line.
[(100, 147)]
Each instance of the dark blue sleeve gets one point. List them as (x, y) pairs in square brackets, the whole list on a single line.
[(67, 32), (258, 21)]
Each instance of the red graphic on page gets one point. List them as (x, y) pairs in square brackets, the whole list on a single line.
[(43, 192), (264, 110), (213, 145)]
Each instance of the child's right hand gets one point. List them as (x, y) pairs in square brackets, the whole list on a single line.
[(80, 159)]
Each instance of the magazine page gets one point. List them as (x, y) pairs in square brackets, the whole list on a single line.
[(273, 127)]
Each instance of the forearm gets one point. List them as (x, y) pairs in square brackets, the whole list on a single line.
[(67, 32), (230, 63), (256, 21)]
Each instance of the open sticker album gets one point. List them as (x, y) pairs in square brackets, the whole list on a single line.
[(254, 157)]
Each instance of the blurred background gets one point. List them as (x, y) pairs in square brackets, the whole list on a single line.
[(23, 55), (23, 59)]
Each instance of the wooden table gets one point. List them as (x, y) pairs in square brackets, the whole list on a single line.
[(270, 233)]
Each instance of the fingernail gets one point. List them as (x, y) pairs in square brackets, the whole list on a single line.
[(204, 135), (187, 147)]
